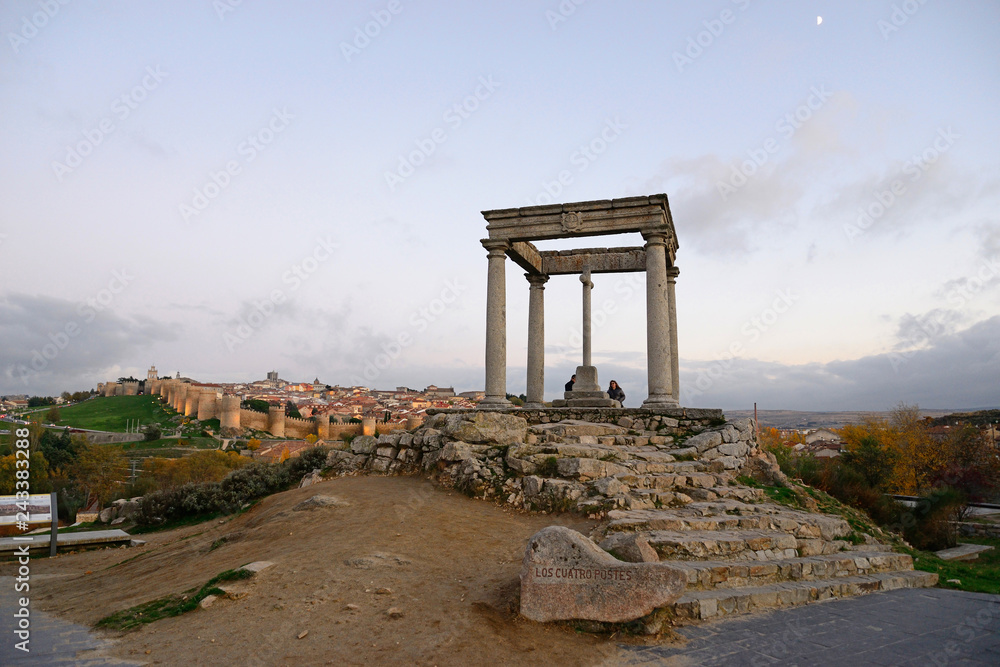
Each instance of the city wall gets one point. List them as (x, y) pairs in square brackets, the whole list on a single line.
[(203, 403)]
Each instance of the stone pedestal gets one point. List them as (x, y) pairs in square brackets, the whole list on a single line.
[(587, 392)]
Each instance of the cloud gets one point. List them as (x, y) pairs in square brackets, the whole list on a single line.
[(52, 345), (955, 370)]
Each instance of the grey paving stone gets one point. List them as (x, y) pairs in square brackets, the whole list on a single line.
[(905, 627)]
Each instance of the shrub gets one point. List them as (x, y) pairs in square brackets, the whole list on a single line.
[(929, 526), (238, 488)]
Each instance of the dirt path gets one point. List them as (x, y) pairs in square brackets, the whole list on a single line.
[(451, 565)]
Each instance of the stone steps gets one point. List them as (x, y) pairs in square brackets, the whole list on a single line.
[(800, 524), (743, 545), (651, 499), (708, 575), (700, 605)]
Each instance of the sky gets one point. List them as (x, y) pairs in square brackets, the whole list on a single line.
[(225, 188)]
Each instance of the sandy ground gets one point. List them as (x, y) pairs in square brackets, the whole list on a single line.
[(451, 564)]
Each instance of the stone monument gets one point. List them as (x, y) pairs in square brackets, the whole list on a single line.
[(511, 232)]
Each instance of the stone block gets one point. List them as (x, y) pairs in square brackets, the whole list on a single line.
[(364, 444), (485, 427), (456, 451), (734, 449), (564, 576), (586, 469), (586, 381), (731, 462), (704, 441), (532, 486), (631, 548)]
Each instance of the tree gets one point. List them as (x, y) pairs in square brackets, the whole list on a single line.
[(152, 432), (256, 405), (66, 396), (253, 444), (971, 467), (38, 473), (101, 471), (59, 450), (52, 416), (292, 411), (872, 461)]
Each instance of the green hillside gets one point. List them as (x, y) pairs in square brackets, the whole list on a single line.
[(113, 413)]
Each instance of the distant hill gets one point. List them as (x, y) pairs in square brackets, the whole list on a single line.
[(787, 419), (977, 418)]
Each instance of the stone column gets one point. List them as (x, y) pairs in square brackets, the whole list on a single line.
[(659, 365), (496, 327), (588, 286), (675, 375), (536, 340)]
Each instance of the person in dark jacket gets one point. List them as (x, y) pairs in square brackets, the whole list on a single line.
[(615, 392), (569, 385)]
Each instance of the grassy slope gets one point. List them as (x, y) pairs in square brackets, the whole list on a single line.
[(981, 575), (112, 413)]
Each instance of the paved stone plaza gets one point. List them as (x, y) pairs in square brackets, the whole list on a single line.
[(917, 626), (53, 641)]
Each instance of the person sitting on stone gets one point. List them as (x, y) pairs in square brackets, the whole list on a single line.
[(569, 385), (615, 392)]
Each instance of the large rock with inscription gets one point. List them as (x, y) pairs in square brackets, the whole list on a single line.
[(566, 576)]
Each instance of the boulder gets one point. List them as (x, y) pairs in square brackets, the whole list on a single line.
[(704, 441), (107, 514), (565, 576), (311, 478), (129, 508), (456, 451), (485, 427), (364, 444), (631, 548)]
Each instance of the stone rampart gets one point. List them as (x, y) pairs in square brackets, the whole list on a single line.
[(229, 412), (276, 421), (299, 428), (130, 388), (208, 405), (191, 402), (252, 419)]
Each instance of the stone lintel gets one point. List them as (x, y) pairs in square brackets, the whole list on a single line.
[(526, 256), (598, 260), (648, 214)]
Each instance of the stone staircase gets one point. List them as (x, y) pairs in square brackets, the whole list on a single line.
[(667, 486), (741, 557)]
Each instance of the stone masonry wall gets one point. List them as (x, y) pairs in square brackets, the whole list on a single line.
[(253, 419), (581, 465)]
